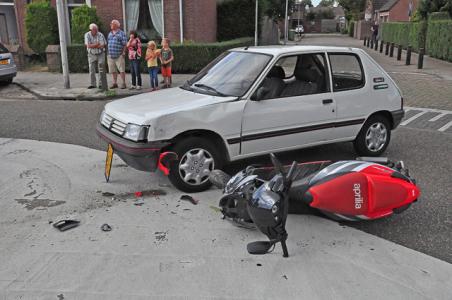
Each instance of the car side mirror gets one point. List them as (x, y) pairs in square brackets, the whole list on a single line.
[(260, 93)]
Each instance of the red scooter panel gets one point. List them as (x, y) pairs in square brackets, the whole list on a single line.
[(347, 194)]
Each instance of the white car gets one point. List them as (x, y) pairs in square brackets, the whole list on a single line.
[(252, 101)]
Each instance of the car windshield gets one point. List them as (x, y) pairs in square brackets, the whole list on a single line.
[(3, 49), (231, 74)]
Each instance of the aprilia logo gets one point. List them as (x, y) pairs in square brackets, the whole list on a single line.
[(358, 198)]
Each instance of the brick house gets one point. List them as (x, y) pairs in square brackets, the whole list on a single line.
[(397, 10), (151, 18)]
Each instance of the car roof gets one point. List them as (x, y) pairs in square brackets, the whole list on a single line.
[(281, 49)]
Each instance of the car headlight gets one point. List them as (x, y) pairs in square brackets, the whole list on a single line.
[(135, 132)]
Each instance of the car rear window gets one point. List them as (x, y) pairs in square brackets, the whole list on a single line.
[(3, 49), (347, 71)]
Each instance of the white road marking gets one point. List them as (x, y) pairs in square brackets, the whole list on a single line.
[(445, 127), (436, 118), (413, 118)]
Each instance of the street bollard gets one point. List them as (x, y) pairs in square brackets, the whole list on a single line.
[(376, 45), (368, 42), (387, 48), (408, 56), (381, 46), (420, 61), (399, 52), (391, 50), (371, 43), (365, 41)]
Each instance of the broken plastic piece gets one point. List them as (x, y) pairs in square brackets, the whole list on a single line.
[(105, 227), (165, 160), (64, 225), (138, 194), (189, 198)]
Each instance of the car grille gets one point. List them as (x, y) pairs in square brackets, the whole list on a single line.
[(113, 125)]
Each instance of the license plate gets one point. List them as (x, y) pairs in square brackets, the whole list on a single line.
[(4, 62), (108, 162)]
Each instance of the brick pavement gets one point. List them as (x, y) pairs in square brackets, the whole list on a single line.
[(430, 87)]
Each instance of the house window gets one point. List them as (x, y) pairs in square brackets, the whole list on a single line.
[(8, 24), (146, 17)]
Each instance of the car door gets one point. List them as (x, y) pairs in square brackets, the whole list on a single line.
[(352, 96), (292, 107)]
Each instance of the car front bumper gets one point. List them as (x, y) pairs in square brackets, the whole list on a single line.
[(397, 116), (140, 156)]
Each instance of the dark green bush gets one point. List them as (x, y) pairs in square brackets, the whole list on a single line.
[(439, 39), (436, 16), (81, 18), (235, 19), (351, 28), (41, 25), (188, 58)]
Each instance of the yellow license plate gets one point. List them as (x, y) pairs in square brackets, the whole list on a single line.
[(4, 62), (108, 162)]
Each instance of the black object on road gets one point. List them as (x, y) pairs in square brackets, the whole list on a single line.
[(64, 225), (105, 227)]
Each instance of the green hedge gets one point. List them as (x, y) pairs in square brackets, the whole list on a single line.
[(441, 15), (439, 39), (404, 33), (351, 28), (188, 58), (235, 19), (41, 25), (82, 16)]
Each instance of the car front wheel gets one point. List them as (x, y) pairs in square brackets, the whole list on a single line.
[(197, 157), (374, 137)]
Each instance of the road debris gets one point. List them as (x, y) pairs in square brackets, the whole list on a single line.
[(108, 194), (189, 198), (64, 225), (105, 227)]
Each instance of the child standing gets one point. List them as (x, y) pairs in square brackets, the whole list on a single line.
[(134, 49), (166, 57), (152, 53)]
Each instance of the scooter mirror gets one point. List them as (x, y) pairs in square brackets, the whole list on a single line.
[(276, 163), (219, 178), (261, 247)]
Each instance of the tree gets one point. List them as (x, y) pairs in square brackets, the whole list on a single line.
[(326, 3), (275, 9), (429, 6), (81, 18), (41, 24), (306, 2), (352, 8)]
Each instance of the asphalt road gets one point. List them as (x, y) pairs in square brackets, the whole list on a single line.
[(425, 227)]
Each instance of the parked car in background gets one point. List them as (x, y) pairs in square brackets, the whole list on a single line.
[(8, 69), (252, 101)]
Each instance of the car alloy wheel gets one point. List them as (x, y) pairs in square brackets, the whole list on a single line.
[(195, 166), (376, 137)]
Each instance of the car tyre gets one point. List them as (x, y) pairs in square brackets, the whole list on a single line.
[(196, 158), (6, 82), (374, 136)]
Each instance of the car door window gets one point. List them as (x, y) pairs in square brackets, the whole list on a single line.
[(295, 75), (347, 71)]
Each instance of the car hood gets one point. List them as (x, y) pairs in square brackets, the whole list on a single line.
[(141, 109)]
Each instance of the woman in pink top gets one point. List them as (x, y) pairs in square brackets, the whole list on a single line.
[(134, 49)]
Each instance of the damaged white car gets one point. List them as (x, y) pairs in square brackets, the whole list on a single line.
[(252, 101)]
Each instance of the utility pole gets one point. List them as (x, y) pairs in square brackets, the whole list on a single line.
[(256, 23), (286, 23), (63, 43)]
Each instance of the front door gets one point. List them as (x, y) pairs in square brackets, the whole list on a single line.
[(292, 107), (3, 30)]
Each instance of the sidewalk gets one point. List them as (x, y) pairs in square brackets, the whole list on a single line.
[(170, 248), (49, 86)]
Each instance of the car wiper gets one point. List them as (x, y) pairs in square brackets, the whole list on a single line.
[(202, 85), (187, 86)]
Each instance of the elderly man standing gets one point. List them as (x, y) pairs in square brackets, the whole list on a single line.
[(117, 42), (95, 44)]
